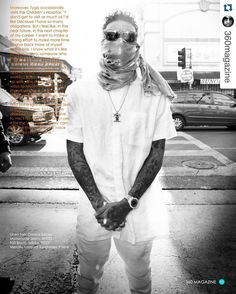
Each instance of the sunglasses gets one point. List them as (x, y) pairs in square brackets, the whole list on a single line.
[(129, 37)]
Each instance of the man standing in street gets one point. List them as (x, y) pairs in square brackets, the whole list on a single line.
[(118, 123), (5, 158)]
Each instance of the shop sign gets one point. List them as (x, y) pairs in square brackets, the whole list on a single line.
[(24, 63), (186, 75), (209, 81)]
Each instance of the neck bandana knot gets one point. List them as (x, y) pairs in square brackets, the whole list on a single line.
[(118, 69)]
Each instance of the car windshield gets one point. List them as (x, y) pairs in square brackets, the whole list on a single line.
[(6, 98)]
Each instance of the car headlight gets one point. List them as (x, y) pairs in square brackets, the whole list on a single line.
[(38, 116)]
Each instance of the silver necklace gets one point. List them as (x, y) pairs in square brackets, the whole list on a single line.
[(117, 114)]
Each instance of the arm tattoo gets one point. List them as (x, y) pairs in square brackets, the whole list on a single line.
[(83, 174), (149, 170)]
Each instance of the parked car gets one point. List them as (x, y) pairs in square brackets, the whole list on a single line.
[(196, 108), (24, 121)]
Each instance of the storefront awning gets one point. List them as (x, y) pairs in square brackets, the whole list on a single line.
[(170, 76), (205, 77), (16, 63), (208, 78)]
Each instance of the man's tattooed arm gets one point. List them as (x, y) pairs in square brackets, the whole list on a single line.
[(149, 170), (83, 174), (115, 213)]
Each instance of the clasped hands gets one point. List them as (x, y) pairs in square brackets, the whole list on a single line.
[(112, 216)]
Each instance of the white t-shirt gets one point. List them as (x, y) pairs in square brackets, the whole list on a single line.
[(116, 151)]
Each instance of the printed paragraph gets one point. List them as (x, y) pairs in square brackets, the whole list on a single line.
[(40, 30)]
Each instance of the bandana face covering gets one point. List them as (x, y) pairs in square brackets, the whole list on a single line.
[(119, 64), (118, 69), (118, 55)]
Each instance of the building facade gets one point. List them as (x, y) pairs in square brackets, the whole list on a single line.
[(169, 26), (21, 73)]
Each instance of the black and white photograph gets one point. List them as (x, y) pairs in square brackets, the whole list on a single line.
[(117, 147)]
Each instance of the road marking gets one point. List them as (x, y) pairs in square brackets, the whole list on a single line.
[(167, 153), (188, 153), (228, 170), (179, 142), (174, 197), (38, 153), (38, 172), (227, 148), (45, 152), (165, 171), (187, 171)]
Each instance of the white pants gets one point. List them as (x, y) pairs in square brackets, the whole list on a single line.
[(94, 254)]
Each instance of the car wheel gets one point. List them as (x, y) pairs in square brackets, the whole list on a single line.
[(16, 133), (179, 122)]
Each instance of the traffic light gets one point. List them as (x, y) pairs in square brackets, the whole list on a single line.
[(182, 58)]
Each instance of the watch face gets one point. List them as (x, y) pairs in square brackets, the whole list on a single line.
[(134, 202)]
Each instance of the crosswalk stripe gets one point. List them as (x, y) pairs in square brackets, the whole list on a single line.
[(178, 142), (38, 153), (50, 151), (229, 170), (167, 153), (188, 153), (225, 148)]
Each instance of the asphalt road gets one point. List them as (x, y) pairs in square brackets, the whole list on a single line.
[(219, 138), (198, 158)]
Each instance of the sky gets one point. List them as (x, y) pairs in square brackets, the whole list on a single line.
[(85, 24)]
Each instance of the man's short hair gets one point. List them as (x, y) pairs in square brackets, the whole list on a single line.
[(120, 15)]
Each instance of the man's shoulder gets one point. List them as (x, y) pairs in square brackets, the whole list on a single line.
[(138, 83)]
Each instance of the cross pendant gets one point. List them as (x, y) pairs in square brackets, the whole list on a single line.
[(117, 117)]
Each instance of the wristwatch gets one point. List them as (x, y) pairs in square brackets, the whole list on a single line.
[(133, 202)]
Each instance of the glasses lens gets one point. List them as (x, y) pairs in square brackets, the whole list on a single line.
[(111, 36), (130, 37)]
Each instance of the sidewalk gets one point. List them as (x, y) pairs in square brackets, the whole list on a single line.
[(199, 251)]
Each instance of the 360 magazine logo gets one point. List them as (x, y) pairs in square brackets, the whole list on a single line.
[(228, 21), (227, 44)]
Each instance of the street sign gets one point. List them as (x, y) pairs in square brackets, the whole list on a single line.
[(186, 75)]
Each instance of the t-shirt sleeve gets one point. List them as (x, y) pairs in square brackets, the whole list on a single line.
[(164, 127), (74, 129)]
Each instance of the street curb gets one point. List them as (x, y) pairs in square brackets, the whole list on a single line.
[(172, 197)]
